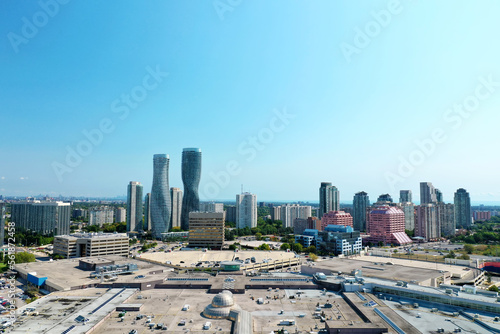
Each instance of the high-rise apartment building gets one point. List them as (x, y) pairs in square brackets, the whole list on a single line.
[(446, 217), (439, 196), (246, 210), (42, 217), (290, 212), (80, 213), (120, 215), (427, 224), (211, 207), (206, 229), (160, 196), (231, 213), (384, 199), (482, 215), (427, 193), (405, 196), (360, 202), (191, 173), (336, 218), (463, 217), (409, 211), (275, 213), (134, 207), (176, 196), (301, 224), (147, 212), (101, 215), (386, 224), (328, 199)]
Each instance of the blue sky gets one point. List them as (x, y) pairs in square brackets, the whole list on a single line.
[(361, 82)]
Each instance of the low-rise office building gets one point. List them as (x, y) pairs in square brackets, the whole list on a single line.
[(341, 240), (91, 244), (206, 229)]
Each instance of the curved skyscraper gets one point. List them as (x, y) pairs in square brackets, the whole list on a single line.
[(160, 196), (191, 172)]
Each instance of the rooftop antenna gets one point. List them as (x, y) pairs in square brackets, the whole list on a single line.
[(242, 188)]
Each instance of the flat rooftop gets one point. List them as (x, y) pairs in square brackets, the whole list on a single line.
[(429, 320), (165, 306), (76, 236), (58, 313), (65, 274), (455, 270), (191, 258), (382, 270)]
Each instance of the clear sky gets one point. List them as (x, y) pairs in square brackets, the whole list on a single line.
[(279, 95)]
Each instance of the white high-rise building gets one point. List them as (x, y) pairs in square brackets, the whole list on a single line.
[(211, 207), (290, 212), (246, 210), (409, 210), (134, 207), (176, 196), (43, 217), (100, 216), (120, 215)]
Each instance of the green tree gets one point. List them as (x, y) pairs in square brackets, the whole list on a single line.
[(381, 244), (469, 249), (233, 247), (21, 257), (264, 247), (258, 235), (285, 246), (311, 249), (464, 257), (313, 257), (297, 247), (493, 288), (451, 255)]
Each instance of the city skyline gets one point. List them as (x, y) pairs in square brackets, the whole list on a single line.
[(243, 84)]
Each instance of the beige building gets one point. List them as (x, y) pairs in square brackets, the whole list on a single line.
[(176, 197), (91, 244), (206, 229)]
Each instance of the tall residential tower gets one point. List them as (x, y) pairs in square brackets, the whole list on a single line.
[(328, 199), (134, 207), (359, 204), (176, 196), (191, 172), (463, 217), (160, 196), (246, 210), (427, 193)]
